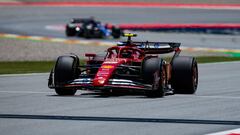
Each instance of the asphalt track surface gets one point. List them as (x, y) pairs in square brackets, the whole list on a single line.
[(29, 107), (34, 20)]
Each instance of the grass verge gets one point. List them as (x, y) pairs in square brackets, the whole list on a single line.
[(46, 66), (25, 67), (213, 59)]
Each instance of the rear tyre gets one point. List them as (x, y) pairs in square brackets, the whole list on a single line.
[(87, 34), (184, 75), (70, 31), (116, 32), (65, 71), (154, 72)]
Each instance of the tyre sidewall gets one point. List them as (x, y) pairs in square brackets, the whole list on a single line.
[(182, 75)]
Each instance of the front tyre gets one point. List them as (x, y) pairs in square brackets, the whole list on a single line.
[(184, 75), (70, 30), (66, 69), (65, 91)]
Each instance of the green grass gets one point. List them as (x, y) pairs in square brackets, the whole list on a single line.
[(46, 66), (25, 67), (207, 59)]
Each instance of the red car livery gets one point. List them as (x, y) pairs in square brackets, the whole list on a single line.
[(130, 65)]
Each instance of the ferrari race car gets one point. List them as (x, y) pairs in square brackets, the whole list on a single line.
[(90, 28), (130, 65)]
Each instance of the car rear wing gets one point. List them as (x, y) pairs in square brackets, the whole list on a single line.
[(155, 47)]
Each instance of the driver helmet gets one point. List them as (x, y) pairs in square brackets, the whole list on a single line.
[(126, 54)]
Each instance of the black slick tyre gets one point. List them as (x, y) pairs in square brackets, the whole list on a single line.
[(70, 31), (65, 70), (154, 72), (87, 34), (116, 32), (184, 75)]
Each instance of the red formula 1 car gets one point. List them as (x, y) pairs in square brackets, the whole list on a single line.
[(128, 66)]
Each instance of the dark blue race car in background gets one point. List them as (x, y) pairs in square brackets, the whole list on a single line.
[(90, 28)]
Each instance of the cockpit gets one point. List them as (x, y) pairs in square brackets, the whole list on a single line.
[(125, 52)]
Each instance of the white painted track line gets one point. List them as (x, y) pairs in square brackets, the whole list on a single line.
[(228, 132)]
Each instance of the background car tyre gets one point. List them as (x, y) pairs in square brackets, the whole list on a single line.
[(116, 32), (184, 75), (70, 31), (65, 70), (87, 34)]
